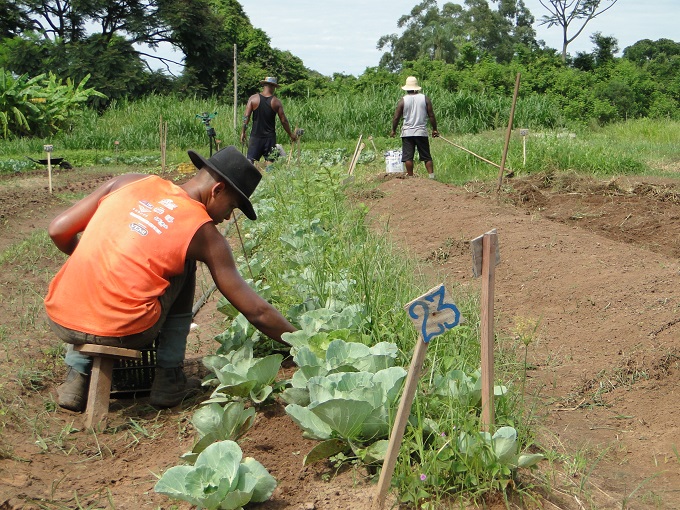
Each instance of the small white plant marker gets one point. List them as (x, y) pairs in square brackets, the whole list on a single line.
[(523, 133), (48, 150), (433, 313)]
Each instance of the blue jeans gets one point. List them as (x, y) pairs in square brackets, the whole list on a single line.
[(171, 329)]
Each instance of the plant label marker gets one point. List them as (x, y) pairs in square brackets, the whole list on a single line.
[(48, 150), (433, 313), (523, 133), (485, 258)]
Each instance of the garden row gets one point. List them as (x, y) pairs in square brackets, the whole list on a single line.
[(311, 255)]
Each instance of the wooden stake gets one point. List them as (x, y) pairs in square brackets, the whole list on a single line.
[(292, 147), (48, 150), (356, 150), (470, 152), (432, 313), (400, 422), (298, 146), (373, 144), (235, 89), (163, 128), (353, 164), (49, 170), (489, 243), (508, 133)]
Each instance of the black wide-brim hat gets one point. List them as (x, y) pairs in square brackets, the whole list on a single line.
[(236, 170)]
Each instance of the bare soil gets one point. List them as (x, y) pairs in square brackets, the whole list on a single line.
[(596, 262)]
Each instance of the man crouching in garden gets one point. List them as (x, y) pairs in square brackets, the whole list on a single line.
[(131, 275)]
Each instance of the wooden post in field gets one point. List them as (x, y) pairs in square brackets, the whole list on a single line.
[(354, 156), (370, 137), (485, 258), (235, 89), (48, 150), (292, 148), (432, 313), (163, 129), (508, 133), (524, 133)]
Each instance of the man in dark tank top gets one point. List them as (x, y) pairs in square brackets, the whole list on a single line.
[(264, 107)]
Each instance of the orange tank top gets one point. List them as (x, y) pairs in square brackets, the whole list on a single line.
[(137, 239)]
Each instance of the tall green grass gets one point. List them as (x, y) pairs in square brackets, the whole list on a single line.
[(475, 121), (327, 119)]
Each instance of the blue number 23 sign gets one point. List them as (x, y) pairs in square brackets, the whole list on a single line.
[(434, 313)]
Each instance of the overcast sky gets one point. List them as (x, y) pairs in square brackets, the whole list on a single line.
[(340, 36)]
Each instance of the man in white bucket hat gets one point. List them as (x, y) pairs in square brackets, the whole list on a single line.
[(416, 109)]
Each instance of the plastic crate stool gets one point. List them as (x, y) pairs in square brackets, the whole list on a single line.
[(99, 391)]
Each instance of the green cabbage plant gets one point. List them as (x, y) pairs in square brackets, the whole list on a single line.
[(240, 375), (319, 327), (339, 356), (466, 389), (220, 479), (497, 456), (216, 423), (349, 410)]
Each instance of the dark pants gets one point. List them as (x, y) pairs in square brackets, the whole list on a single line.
[(409, 145), (258, 147)]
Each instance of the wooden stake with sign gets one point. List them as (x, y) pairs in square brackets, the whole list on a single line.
[(485, 258), (432, 313), (48, 150)]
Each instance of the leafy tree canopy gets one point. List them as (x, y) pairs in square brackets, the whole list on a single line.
[(459, 34)]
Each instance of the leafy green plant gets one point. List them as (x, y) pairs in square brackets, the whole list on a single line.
[(339, 356), (319, 327), (349, 410), (15, 105), (41, 105), (220, 479), (499, 452), (239, 374), (216, 423), (465, 389)]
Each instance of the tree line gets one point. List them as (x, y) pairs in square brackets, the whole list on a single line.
[(477, 46)]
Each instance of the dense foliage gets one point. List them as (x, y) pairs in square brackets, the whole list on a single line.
[(41, 105), (466, 56)]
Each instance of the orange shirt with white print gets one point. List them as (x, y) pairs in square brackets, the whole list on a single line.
[(136, 240)]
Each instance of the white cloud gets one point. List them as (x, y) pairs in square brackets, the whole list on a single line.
[(341, 36)]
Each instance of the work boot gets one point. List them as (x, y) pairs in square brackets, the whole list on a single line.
[(170, 387), (72, 394)]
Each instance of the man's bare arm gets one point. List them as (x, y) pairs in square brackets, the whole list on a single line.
[(250, 106), (431, 117), (397, 116), (277, 106), (210, 247)]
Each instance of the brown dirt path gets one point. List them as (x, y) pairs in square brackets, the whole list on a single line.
[(598, 264)]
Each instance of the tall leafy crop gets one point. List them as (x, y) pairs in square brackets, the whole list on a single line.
[(41, 105)]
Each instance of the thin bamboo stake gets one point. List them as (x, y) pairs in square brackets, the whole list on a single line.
[(508, 133), (470, 152), (356, 151), (48, 149), (163, 131), (235, 89)]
